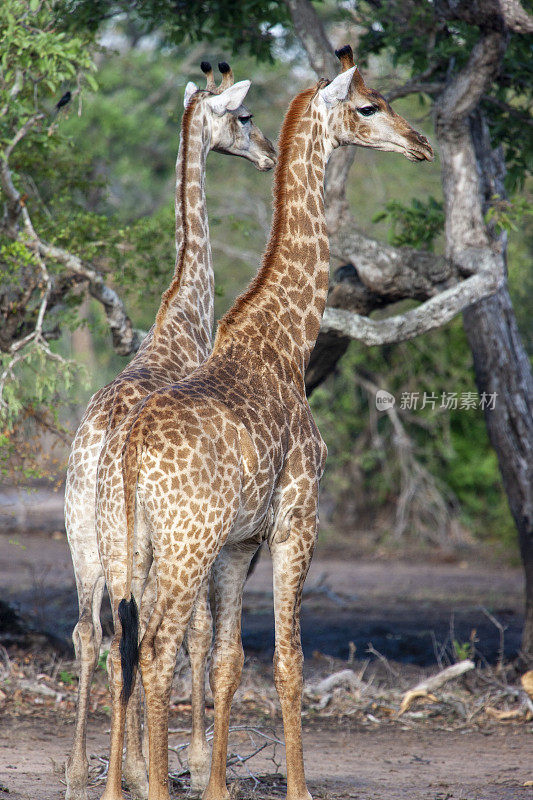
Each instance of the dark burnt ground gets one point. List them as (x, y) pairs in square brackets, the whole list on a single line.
[(410, 612)]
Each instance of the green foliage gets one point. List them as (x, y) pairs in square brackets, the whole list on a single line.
[(506, 215), (67, 677), (35, 384), (243, 26), (36, 63), (416, 225), (362, 472), (102, 660), (463, 650)]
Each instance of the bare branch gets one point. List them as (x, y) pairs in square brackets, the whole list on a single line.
[(430, 315), (509, 109), (393, 273), (310, 31), (490, 14), (425, 688), (464, 92), (415, 86), (21, 133), (126, 340), (15, 91)]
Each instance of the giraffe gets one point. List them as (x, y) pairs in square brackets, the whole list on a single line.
[(214, 119), (231, 455)]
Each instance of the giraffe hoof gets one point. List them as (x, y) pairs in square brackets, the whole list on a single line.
[(76, 793), (137, 783), (198, 786), (305, 796), (216, 794), (200, 769), (76, 783)]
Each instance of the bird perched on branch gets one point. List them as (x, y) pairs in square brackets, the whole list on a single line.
[(62, 102)]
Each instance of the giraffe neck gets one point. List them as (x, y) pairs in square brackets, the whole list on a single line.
[(186, 307), (279, 315)]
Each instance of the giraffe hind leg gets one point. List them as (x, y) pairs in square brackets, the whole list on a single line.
[(199, 636), (229, 575), (87, 637)]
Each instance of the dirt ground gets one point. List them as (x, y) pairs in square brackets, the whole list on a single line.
[(342, 761), (405, 620)]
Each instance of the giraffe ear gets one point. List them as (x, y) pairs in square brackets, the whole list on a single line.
[(338, 89), (230, 99), (190, 89)]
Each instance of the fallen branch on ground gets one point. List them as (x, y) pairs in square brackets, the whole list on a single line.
[(425, 688), (346, 678)]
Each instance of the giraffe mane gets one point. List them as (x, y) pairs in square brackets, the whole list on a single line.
[(174, 287), (295, 112)]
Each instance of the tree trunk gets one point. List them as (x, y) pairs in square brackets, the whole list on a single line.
[(502, 366), (472, 174)]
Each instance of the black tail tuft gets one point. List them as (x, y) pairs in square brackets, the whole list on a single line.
[(129, 645)]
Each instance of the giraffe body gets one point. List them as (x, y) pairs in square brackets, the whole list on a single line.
[(210, 466), (177, 343)]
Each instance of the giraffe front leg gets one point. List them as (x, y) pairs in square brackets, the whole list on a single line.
[(291, 556), (229, 575), (199, 636)]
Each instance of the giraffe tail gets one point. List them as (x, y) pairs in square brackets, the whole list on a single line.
[(127, 609), (129, 645)]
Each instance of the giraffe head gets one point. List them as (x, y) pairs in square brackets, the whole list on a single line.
[(230, 124), (359, 115)]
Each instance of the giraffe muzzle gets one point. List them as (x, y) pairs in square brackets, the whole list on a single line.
[(421, 150)]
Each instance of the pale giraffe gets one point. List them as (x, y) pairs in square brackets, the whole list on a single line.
[(232, 455), (214, 119)]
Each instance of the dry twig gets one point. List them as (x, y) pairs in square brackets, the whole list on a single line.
[(425, 688)]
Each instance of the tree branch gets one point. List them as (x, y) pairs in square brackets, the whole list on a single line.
[(511, 110), (393, 273), (466, 231), (464, 92), (15, 91), (310, 31), (126, 340), (20, 134), (489, 14), (415, 86), (384, 274), (430, 315)]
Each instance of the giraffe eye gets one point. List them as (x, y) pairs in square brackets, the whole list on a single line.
[(367, 111), (245, 118)]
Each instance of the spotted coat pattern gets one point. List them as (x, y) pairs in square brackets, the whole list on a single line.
[(177, 343), (225, 458)]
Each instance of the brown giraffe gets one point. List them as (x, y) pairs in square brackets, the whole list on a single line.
[(214, 119), (232, 455)]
